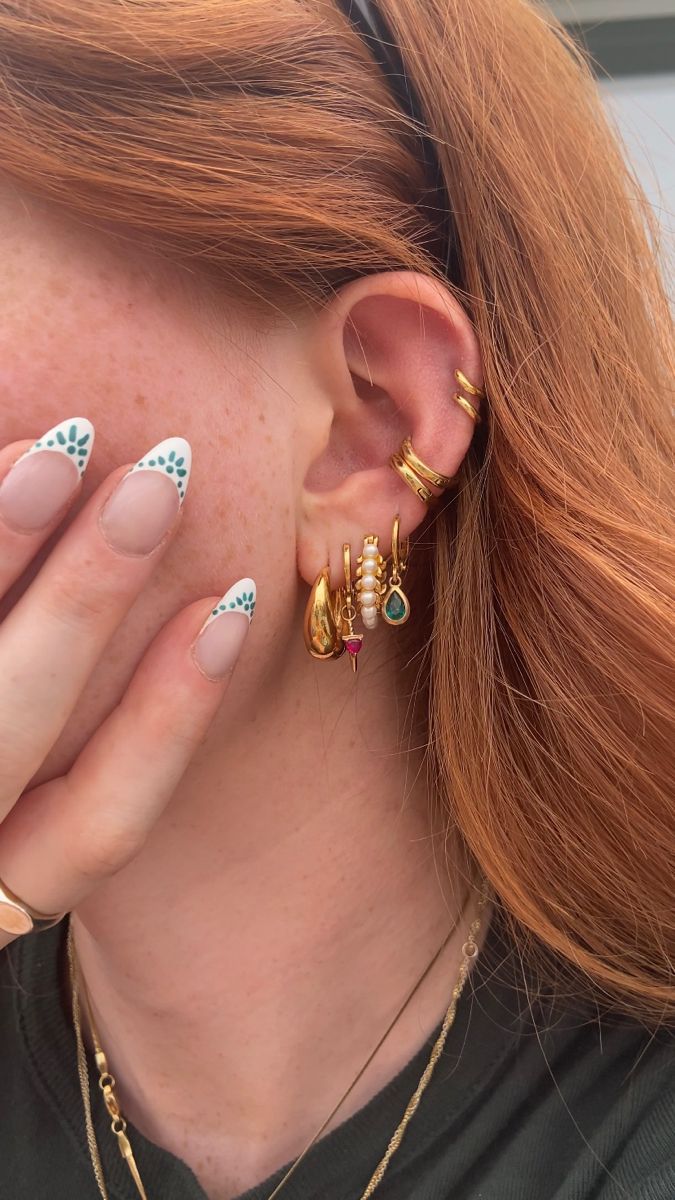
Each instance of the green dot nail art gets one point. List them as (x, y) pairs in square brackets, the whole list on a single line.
[(164, 458), (240, 598), (74, 438)]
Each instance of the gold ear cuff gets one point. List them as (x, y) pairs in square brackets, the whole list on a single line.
[(469, 408), (418, 475)]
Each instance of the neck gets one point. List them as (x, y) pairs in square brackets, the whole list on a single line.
[(273, 925)]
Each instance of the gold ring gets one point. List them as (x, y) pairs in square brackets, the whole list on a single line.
[(420, 489), (468, 387), (468, 407), (420, 468), (17, 917)]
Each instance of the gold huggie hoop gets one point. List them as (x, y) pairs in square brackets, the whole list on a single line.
[(399, 552), (420, 468), (413, 481)]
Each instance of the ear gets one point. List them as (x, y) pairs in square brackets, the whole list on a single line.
[(382, 354)]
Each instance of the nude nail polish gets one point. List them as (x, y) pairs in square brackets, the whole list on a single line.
[(220, 640), (145, 503)]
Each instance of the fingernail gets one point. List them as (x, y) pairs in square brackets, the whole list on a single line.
[(146, 501), (221, 638), (42, 481)]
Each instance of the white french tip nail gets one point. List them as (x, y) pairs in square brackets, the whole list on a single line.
[(239, 598), (173, 458), (74, 438), (220, 640)]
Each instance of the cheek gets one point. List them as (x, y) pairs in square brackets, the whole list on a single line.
[(140, 351), (81, 335)]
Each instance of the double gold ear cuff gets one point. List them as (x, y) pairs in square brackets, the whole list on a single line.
[(469, 408), (418, 475), (370, 592)]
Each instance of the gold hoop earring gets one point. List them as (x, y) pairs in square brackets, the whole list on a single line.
[(321, 629), (396, 605)]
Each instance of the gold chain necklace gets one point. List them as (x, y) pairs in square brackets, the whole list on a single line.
[(106, 1081)]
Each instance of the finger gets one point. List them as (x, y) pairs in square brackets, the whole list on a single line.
[(53, 637), (40, 481), (67, 835)]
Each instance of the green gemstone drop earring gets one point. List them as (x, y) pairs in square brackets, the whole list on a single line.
[(396, 605)]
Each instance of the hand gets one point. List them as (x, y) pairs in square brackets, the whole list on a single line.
[(58, 840)]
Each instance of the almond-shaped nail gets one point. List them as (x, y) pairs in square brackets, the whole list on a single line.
[(222, 636), (40, 484), (145, 503)]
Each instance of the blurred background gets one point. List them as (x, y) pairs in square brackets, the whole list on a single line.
[(632, 44)]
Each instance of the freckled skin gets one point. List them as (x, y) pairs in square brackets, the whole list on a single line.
[(297, 845), (146, 351)]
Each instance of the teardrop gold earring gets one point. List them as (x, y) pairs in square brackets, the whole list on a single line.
[(396, 605), (322, 619)]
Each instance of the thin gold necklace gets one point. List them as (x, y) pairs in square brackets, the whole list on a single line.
[(106, 1082)]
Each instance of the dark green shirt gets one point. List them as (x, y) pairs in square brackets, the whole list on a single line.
[(556, 1108)]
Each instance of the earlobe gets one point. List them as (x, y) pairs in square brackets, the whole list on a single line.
[(386, 350)]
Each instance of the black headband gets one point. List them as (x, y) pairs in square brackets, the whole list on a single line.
[(368, 21)]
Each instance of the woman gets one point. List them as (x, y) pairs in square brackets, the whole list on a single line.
[(413, 333)]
